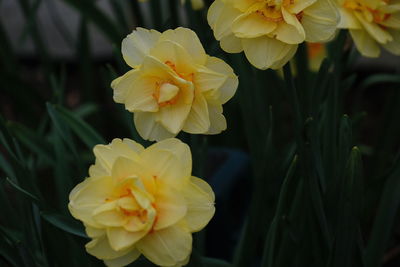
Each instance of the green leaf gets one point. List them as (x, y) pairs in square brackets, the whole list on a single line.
[(384, 219), (64, 223), (32, 140), (83, 130), (379, 79), (211, 262), (23, 191)]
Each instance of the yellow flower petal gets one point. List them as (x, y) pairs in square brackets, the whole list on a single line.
[(107, 154), (189, 41), (299, 6), (109, 215), (137, 45), (217, 119), (140, 97), (149, 127), (201, 208), (231, 44), (198, 120), (87, 196), (320, 21), (220, 17), (374, 30), (393, 46), (365, 44), (263, 52), (100, 248), (251, 25), (171, 207), (228, 89), (167, 246), (123, 260), (290, 31), (120, 239), (348, 20), (123, 85)]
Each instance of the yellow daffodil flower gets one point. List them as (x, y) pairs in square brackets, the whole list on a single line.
[(269, 31), (372, 23), (142, 201), (174, 85)]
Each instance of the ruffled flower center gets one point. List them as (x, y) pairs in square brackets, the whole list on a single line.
[(271, 10), (371, 14), (167, 92)]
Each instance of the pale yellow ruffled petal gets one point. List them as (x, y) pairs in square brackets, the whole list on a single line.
[(375, 31), (200, 199), (198, 120), (141, 96), (189, 41), (320, 21), (348, 20), (365, 43), (137, 45), (263, 52), (217, 119), (167, 246), (290, 31), (123, 260), (393, 46), (231, 44), (123, 85), (148, 126), (120, 239), (101, 249), (251, 25), (220, 17)]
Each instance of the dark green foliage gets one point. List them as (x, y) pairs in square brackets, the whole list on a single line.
[(325, 179)]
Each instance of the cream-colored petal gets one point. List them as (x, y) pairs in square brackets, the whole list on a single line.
[(141, 96), (299, 6), (123, 85), (173, 116), (263, 52), (137, 45), (174, 54), (228, 89), (231, 44), (93, 232), (290, 54), (169, 160), (348, 20), (189, 40), (101, 249), (198, 120), (220, 16), (375, 31), (365, 43), (108, 215), (124, 167), (123, 260), (217, 120), (120, 239), (166, 247), (107, 154), (320, 21), (200, 198), (393, 46), (149, 128), (242, 5), (170, 205), (87, 196), (290, 31), (251, 25), (97, 170)]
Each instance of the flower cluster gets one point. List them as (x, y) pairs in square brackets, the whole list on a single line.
[(269, 31), (174, 85), (372, 24), (142, 201)]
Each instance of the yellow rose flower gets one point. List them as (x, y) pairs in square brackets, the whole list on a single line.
[(372, 23), (142, 201), (174, 84), (269, 31)]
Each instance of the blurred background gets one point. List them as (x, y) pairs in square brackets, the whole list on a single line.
[(58, 58)]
